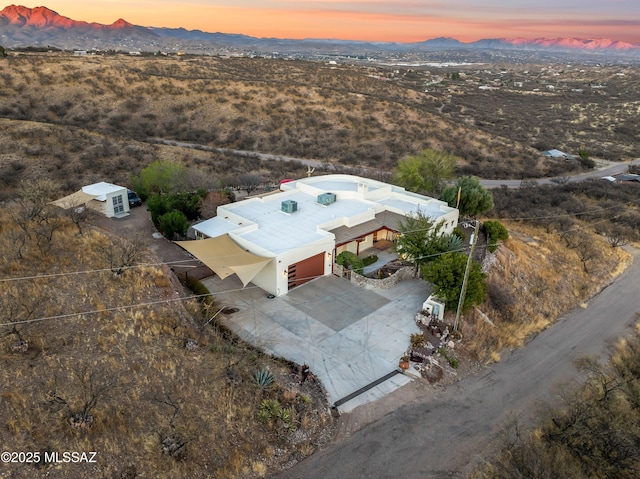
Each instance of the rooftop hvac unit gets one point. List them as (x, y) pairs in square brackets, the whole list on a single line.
[(326, 198), (289, 206)]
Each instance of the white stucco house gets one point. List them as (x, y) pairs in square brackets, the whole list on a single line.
[(281, 240), (106, 198)]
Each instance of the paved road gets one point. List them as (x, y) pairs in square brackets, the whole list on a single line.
[(611, 170), (444, 435)]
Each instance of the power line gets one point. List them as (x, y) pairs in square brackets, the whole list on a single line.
[(117, 308)]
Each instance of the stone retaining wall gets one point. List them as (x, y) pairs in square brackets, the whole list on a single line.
[(384, 283)]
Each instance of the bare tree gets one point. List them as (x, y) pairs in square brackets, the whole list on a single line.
[(181, 428), (172, 443), (77, 213), (250, 182), (616, 234), (19, 305), (586, 251), (93, 388), (122, 255), (33, 212)]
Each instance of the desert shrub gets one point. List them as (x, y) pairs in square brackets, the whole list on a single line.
[(350, 260), (586, 162), (172, 223), (187, 203), (495, 232), (417, 340), (198, 288), (157, 206), (263, 378), (451, 359)]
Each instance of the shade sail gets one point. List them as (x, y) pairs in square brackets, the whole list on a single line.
[(74, 200), (225, 257)]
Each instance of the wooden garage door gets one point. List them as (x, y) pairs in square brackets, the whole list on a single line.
[(306, 270)]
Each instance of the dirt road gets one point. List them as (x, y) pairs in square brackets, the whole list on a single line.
[(444, 434)]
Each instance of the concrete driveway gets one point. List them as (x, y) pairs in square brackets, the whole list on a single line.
[(350, 337)]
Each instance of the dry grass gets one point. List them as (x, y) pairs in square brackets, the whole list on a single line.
[(88, 117), (533, 281), (133, 361)]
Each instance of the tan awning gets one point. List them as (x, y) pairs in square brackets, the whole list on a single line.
[(225, 257), (74, 200)]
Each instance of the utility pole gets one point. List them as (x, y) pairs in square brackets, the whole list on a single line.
[(463, 290)]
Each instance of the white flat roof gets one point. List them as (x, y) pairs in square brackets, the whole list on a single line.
[(262, 223), (100, 190), (399, 205), (277, 231), (215, 226)]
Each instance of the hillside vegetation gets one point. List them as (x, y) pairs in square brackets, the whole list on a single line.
[(591, 432), (154, 390), (526, 292), (91, 114), (118, 360), (576, 229)]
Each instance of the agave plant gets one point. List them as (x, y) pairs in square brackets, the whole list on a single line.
[(263, 378), (452, 243)]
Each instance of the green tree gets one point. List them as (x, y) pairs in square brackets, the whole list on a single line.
[(172, 223), (419, 239), (496, 232), (161, 177), (3, 52), (157, 205), (425, 172), (446, 274), (475, 199), (188, 203)]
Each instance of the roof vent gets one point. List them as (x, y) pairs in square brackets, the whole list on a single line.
[(326, 198), (289, 206)]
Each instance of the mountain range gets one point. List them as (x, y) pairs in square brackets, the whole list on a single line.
[(42, 27)]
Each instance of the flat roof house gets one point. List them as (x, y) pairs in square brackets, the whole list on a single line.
[(282, 240)]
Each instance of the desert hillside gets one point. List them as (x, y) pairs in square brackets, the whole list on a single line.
[(92, 116), (160, 389)]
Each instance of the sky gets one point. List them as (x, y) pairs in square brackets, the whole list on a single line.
[(374, 20)]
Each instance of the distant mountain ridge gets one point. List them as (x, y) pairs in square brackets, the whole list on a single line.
[(40, 26)]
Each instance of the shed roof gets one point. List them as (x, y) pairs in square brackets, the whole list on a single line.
[(101, 190), (628, 177)]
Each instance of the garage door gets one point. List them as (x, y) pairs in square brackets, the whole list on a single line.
[(306, 270)]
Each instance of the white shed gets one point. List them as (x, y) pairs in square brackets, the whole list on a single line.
[(109, 199), (106, 198)]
